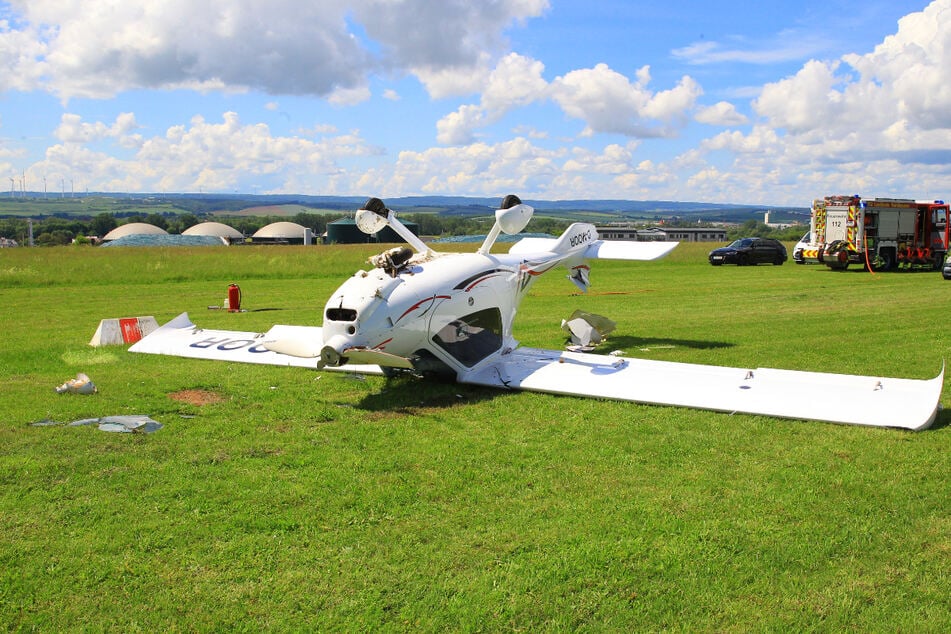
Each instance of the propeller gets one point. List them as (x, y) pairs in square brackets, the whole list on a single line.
[(310, 349), (303, 348)]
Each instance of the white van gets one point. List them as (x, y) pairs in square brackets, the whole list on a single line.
[(797, 250)]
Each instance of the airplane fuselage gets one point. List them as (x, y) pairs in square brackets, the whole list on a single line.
[(447, 311)]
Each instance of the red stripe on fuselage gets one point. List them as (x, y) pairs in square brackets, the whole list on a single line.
[(420, 303)]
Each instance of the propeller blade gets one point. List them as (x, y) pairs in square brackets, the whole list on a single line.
[(302, 348), (376, 357)]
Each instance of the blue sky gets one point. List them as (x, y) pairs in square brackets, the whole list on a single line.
[(720, 101)]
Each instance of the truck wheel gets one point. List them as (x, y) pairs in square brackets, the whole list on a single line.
[(884, 261), (839, 260)]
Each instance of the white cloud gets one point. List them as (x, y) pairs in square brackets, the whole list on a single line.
[(889, 107), (448, 45), (516, 81), (73, 130), (456, 128), (446, 82), (721, 113), (613, 159), (788, 45), (342, 97), (302, 48), (21, 55), (608, 102), (807, 101), (513, 166), (214, 156), (880, 119), (914, 66)]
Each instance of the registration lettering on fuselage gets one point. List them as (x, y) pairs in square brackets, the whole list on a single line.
[(579, 238)]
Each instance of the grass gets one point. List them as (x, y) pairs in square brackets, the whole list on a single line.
[(307, 501)]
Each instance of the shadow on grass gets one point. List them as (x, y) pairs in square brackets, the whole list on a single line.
[(405, 394), (942, 420), (657, 342)]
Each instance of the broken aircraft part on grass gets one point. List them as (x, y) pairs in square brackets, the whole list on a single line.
[(452, 314), (122, 423), (586, 330), (82, 384)]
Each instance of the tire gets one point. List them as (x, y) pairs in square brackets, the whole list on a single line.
[(884, 261), (837, 257)]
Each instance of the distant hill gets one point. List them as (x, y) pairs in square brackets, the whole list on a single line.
[(35, 204)]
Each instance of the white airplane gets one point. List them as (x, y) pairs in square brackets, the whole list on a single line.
[(429, 313)]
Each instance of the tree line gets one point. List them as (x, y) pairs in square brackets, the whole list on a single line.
[(758, 229), (55, 230)]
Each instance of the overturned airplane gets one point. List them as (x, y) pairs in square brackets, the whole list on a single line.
[(451, 314)]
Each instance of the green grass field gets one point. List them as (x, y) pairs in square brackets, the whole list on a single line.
[(303, 501)]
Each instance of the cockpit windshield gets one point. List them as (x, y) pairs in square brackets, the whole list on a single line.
[(472, 338)]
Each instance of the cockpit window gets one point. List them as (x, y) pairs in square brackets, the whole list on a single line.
[(472, 338)]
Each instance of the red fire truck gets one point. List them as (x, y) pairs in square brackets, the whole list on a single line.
[(878, 233)]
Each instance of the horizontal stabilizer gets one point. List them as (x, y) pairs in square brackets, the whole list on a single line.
[(600, 249), (628, 250), (181, 338), (836, 398)]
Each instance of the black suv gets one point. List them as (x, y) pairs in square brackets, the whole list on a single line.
[(750, 251)]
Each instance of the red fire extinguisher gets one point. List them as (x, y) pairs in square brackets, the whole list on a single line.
[(234, 298)]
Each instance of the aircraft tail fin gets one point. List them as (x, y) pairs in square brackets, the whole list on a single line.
[(574, 240)]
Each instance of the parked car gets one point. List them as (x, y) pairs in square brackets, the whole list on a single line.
[(946, 269), (750, 251), (800, 246)]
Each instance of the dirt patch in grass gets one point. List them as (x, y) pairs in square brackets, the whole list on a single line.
[(197, 397)]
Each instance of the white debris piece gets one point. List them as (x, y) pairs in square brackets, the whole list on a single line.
[(80, 385), (122, 424), (587, 329)]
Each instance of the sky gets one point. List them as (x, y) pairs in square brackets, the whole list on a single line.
[(726, 101)]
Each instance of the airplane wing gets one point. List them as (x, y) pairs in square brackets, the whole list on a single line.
[(837, 398), (181, 338)]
